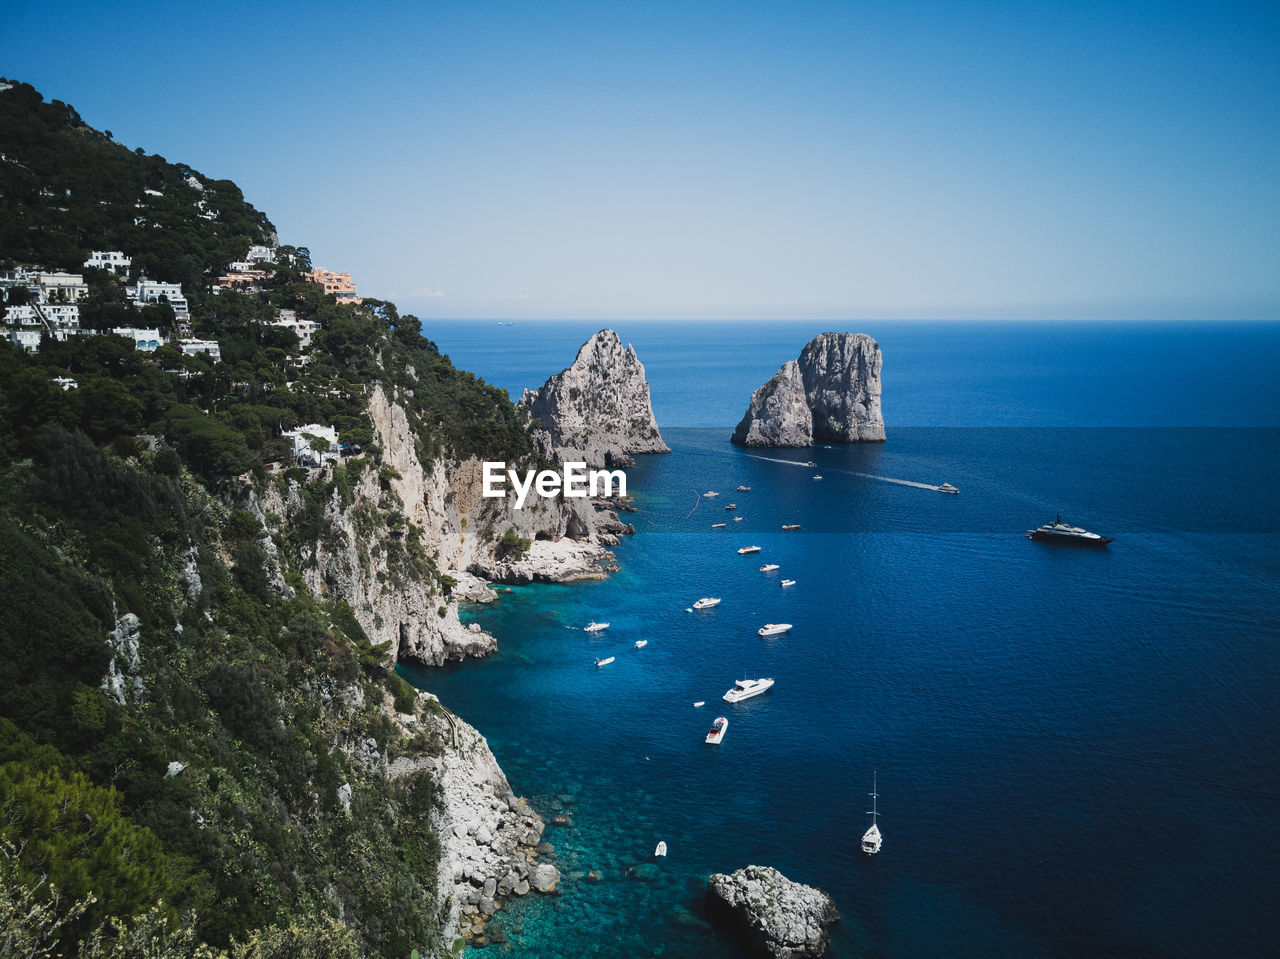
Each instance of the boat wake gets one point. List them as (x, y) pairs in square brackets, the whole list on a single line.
[(872, 476)]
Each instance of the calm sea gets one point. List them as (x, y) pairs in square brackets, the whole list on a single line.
[(1077, 750)]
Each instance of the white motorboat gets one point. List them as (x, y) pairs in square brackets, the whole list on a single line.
[(594, 627), (948, 488), (604, 662), (769, 567), (717, 525), (700, 702), (818, 476), (744, 489), (746, 688), (773, 629), (748, 549), (789, 527), (737, 519), (641, 643), (710, 493), (732, 506), (717, 731), (661, 849), (707, 602), (871, 839), (811, 463), (788, 582)]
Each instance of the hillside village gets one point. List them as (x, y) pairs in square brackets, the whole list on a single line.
[(42, 305)]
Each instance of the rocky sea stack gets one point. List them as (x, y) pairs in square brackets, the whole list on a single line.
[(598, 410), (772, 914), (831, 394)]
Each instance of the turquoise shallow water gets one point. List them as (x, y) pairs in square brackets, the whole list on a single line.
[(1076, 749)]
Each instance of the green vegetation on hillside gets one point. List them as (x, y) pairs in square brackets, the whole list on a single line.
[(127, 495)]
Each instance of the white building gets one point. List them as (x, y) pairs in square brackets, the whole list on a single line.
[(150, 291), (29, 340), (146, 340), (65, 316), (303, 329), (320, 449), (257, 254), (61, 287), (112, 260), (22, 316), (209, 348)]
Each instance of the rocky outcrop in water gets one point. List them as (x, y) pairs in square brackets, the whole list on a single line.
[(831, 394), (597, 411), (772, 914)]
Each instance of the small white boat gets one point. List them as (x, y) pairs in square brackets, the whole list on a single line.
[(717, 525), (700, 702), (746, 688), (737, 519), (732, 506), (594, 627), (744, 489), (641, 643), (710, 493), (768, 567), (789, 527), (773, 629), (788, 582), (604, 662), (948, 488), (717, 731), (871, 839), (818, 476), (661, 849), (811, 463), (707, 602), (748, 549)]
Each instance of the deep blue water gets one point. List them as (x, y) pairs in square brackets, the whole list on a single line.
[(1077, 750)]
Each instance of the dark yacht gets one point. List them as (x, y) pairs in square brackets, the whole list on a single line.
[(1060, 532)]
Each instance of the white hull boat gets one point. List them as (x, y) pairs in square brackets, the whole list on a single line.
[(788, 582), (717, 731), (773, 629), (661, 849), (604, 662), (641, 643), (871, 839), (707, 602), (748, 549), (746, 688), (768, 567), (595, 627)]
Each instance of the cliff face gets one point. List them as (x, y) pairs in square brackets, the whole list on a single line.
[(841, 373), (779, 413), (487, 834), (387, 544), (831, 394), (598, 410)]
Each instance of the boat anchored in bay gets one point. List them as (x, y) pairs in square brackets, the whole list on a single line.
[(871, 839), (1060, 532), (746, 688)]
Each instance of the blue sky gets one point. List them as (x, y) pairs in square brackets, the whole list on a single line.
[(705, 160)]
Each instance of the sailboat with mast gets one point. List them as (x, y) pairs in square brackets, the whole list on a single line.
[(871, 838)]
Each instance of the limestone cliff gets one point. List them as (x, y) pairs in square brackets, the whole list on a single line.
[(830, 395), (488, 836), (779, 414), (393, 540), (598, 410)]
